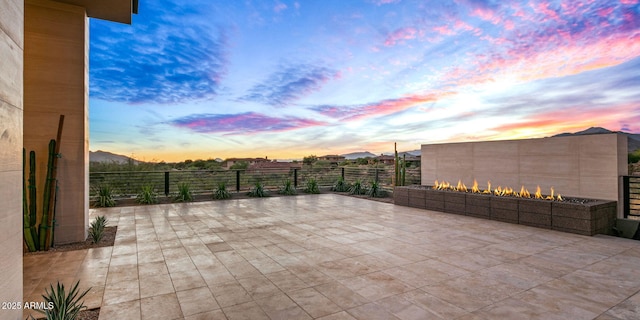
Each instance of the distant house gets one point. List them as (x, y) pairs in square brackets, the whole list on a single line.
[(274, 166), (332, 158), (231, 161), (412, 161)]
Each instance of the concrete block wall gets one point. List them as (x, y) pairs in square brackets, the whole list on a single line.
[(11, 125), (55, 83), (587, 166)]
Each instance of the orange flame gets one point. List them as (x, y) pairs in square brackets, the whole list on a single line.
[(538, 193), (524, 193), (498, 191), (475, 189), (461, 187), (488, 190), (550, 197)]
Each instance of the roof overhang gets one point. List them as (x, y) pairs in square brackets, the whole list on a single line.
[(111, 10)]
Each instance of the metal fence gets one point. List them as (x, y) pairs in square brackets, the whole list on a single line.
[(631, 195), (129, 183)]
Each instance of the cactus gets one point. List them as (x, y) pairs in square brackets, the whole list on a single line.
[(46, 203), (28, 223), (400, 167)]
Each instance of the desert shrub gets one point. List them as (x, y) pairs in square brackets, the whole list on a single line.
[(104, 196), (258, 191), (357, 188), (375, 191), (184, 193), (312, 186), (287, 188), (147, 195), (62, 305), (634, 156), (340, 185), (96, 229), (221, 192)]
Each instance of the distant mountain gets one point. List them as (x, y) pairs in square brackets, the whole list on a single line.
[(411, 153), (633, 138), (104, 156), (356, 155)]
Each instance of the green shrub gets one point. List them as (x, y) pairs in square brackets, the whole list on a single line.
[(258, 191), (340, 185), (105, 196), (288, 188), (357, 188), (375, 191), (634, 156), (96, 229), (184, 193), (147, 195), (62, 305), (312, 186), (221, 193)]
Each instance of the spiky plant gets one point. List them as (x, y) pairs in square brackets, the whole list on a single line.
[(258, 191), (221, 193), (184, 193), (62, 305), (357, 188), (312, 186), (104, 196), (96, 229), (147, 195), (287, 188), (340, 185), (375, 191)]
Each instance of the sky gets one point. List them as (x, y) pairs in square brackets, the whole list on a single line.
[(282, 79)]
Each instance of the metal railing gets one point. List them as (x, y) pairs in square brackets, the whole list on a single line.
[(129, 183), (631, 196)]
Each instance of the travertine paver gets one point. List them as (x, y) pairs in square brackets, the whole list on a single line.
[(335, 257)]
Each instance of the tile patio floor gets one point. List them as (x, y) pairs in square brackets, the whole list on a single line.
[(335, 257)]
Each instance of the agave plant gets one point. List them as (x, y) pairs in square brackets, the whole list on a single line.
[(96, 229), (375, 191), (357, 188), (62, 305), (221, 193), (340, 185), (258, 191), (312, 186), (184, 193), (147, 195), (288, 188), (105, 196)]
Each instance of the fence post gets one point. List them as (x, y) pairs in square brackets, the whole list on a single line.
[(237, 180), (166, 183), (342, 173), (376, 175), (295, 177), (625, 196)]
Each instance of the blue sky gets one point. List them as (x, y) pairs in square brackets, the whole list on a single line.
[(285, 79)]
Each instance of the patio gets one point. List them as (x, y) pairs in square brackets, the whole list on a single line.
[(335, 257)]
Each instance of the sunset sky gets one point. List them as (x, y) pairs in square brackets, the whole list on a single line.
[(284, 79)]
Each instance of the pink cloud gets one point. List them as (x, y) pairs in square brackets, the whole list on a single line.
[(380, 108), (553, 122), (279, 7), (406, 33), (629, 2), (243, 123)]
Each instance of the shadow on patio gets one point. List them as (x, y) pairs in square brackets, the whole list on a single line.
[(335, 257)]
